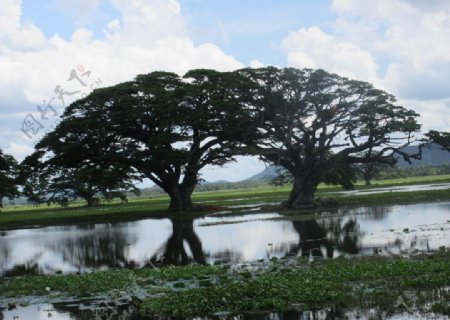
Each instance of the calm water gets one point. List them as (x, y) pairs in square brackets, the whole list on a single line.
[(363, 231), (418, 187), (381, 230)]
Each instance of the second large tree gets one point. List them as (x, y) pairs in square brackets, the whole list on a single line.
[(316, 125)]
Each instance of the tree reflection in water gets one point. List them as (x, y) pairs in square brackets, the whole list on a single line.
[(109, 247), (174, 252), (128, 245), (330, 236)]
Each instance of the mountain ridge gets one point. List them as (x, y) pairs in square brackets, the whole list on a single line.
[(433, 156)]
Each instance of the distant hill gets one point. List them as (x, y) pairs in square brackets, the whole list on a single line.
[(269, 173), (433, 156)]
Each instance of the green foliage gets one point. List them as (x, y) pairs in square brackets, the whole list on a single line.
[(167, 128), (54, 180), (159, 125), (315, 124), (421, 171), (164, 127), (441, 138), (245, 184), (345, 283), (9, 177), (278, 285), (82, 157)]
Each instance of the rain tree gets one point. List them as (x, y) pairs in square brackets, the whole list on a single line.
[(317, 125), (9, 177), (164, 127)]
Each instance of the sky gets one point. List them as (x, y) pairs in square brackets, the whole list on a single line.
[(53, 52)]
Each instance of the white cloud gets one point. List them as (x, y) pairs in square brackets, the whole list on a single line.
[(13, 35), (433, 113), (399, 45), (20, 151), (411, 35), (10, 16), (312, 48), (145, 22), (113, 27), (256, 64), (151, 35)]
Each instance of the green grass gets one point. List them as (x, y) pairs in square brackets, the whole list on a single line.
[(278, 285), (139, 207)]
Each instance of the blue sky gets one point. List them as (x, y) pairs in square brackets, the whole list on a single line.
[(63, 18), (399, 45), (244, 29), (249, 29)]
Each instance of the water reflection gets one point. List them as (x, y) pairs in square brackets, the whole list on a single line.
[(105, 246), (182, 240), (408, 188), (174, 252), (327, 239)]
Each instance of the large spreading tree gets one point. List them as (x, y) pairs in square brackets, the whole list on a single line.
[(167, 128), (317, 125), (9, 177), (162, 126)]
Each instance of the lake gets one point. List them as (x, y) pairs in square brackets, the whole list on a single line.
[(236, 238), (382, 230)]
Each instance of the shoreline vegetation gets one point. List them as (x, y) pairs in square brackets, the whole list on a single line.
[(278, 285), (268, 197)]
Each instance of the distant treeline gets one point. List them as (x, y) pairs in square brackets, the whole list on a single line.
[(393, 173), (246, 184), (390, 173)]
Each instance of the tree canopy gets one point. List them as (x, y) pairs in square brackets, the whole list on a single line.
[(441, 138), (77, 159), (9, 177), (316, 125), (167, 128), (159, 125)]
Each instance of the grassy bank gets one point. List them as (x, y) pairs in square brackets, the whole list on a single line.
[(139, 208), (277, 285)]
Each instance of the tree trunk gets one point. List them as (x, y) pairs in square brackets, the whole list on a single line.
[(91, 201), (368, 174), (180, 198), (302, 193)]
